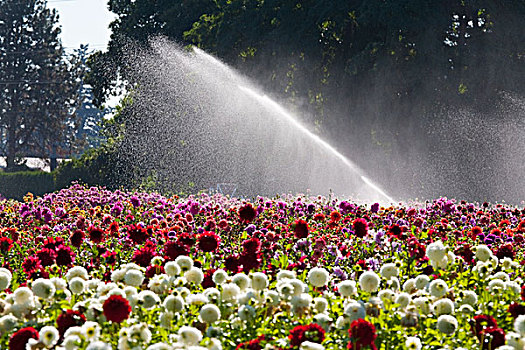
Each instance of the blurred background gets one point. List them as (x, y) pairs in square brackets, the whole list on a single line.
[(426, 97)]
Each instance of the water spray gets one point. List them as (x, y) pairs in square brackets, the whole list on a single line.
[(265, 100)]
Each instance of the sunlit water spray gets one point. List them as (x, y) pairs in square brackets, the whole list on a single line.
[(267, 102), (194, 119), (271, 104), (377, 188)]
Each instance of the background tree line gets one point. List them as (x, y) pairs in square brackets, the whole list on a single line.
[(426, 96), (422, 94), (45, 109)]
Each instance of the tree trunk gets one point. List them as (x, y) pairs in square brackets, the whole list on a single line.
[(11, 133), (11, 147), (11, 70), (53, 157)]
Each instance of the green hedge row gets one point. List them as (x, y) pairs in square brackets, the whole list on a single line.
[(17, 184), (98, 166)]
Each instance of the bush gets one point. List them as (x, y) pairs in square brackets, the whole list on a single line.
[(99, 166), (17, 184)]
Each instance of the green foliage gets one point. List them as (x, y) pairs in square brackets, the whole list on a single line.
[(370, 74), (98, 166), (17, 184), (38, 87), (95, 167), (462, 88), (412, 48)]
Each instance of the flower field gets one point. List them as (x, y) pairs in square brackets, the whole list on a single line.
[(87, 268)]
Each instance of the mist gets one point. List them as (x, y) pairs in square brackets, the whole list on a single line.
[(190, 128)]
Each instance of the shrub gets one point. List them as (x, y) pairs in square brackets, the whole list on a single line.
[(99, 166), (17, 184)]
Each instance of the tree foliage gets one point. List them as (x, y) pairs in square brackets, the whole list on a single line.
[(340, 43), (38, 86), (369, 73)]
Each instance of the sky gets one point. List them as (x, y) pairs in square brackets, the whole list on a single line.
[(83, 22)]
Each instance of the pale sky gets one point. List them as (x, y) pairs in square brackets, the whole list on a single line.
[(83, 22)]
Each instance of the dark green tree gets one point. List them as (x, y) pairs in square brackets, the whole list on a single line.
[(137, 21), (313, 48), (38, 85), (378, 76)]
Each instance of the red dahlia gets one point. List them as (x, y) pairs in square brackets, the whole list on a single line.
[(116, 308), (53, 243), (319, 217), (173, 249), (38, 274), (252, 245), (223, 224), (231, 263), (208, 241), (113, 227), (360, 227), (153, 270), (254, 344), (247, 213), (186, 239), (46, 256), (481, 322), (505, 251), (69, 318), (504, 223), (496, 232), (465, 252), (137, 234), (5, 244), (493, 338), (96, 234), (65, 256), (416, 249), (335, 216), (362, 333), (300, 228), (312, 332), (394, 230), (30, 264), (249, 261), (476, 230), (207, 282), (76, 238), (19, 339), (516, 309), (142, 257)]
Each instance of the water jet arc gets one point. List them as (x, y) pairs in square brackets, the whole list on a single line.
[(198, 121), (271, 104), (268, 102)]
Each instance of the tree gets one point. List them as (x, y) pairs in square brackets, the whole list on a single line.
[(137, 21), (38, 85), (376, 76), (88, 135), (315, 49)]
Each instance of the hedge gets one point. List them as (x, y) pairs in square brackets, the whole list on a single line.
[(17, 184)]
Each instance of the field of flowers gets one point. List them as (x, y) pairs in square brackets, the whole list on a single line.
[(87, 268)]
